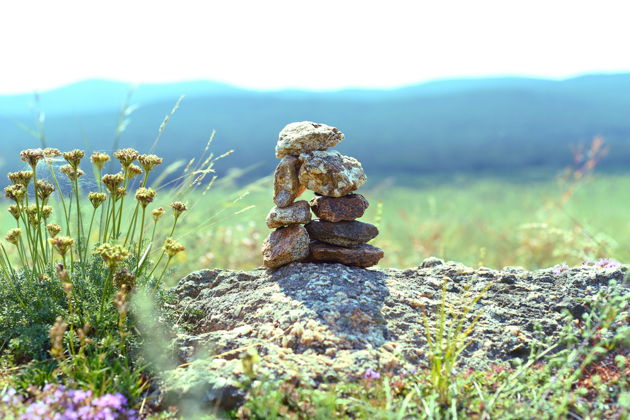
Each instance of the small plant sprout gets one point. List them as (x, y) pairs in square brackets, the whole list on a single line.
[(449, 338)]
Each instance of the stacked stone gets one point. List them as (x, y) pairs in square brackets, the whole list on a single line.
[(336, 236)]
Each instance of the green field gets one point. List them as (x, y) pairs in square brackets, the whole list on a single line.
[(488, 222), (484, 221)]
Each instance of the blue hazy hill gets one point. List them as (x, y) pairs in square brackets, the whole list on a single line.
[(464, 125)]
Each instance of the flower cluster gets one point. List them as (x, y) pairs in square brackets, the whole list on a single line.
[(560, 268), (59, 402), (172, 247), (603, 263), (99, 159), (112, 255)]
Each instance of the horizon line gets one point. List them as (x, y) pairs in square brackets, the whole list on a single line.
[(135, 85)]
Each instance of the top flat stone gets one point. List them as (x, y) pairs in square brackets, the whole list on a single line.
[(306, 136)]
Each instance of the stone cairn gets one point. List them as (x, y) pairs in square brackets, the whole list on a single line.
[(336, 236)]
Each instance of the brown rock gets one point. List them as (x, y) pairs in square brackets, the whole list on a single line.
[(342, 233), (339, 209), (361, 256), (330, 173), (306, 136), (285, 245), (296, 213), (286, 186)]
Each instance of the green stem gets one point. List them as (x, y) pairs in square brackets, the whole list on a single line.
[(163, 252), (11, 278), (157, 284), (108, 280), (87, 239), (63, 201), (79, 222), (144, 210)]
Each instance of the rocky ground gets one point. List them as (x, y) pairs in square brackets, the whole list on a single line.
[(327, 322)]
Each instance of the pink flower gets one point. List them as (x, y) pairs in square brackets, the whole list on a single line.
[(371, 375), (560, 268)]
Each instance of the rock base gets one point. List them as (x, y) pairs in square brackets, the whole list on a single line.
[(327, 322)]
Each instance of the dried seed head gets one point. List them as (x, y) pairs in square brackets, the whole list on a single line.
[(149, 162), (50, 153), (21, 177), (172, 247), (97, 199), (132, 171), (15, 211), (32, 212), (61, 244), (112, 254), (99, 159), (121, 301), (53, 230), (15, 192), (74, 157), (145, 196), (126, 156), (124, 279), (57, 331), (32, 156), (44, 189), (157, 213), (120, 192), (46, 211), (178, 208), (13, 237), (71, 172), (113, 181)]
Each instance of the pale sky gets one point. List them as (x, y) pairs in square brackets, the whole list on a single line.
[(321, 44)]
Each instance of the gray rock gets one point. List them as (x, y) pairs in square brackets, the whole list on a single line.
[(342, 233), (296, 213), (330, 173), (286, 185), (330, 322), (306, 136)]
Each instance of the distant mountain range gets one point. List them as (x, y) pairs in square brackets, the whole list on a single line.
[(463, 125)]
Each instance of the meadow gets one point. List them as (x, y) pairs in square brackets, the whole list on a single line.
[(477, 221), (489, 221), (80, 312)]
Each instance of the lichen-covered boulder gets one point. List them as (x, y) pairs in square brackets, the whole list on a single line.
[(286, 186), (342, 233), (296, 213), (306, 136), (285, 245), (363, 255), (330, 322), (330, 173), (339, 209)]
